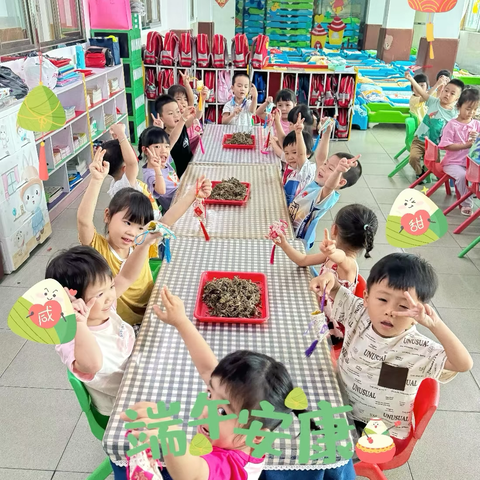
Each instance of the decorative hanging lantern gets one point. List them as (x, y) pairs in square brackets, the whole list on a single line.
[(431, 7)]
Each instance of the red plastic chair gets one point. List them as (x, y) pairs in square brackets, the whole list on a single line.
[(473, 177), (426, 402), (359, 292), (434, 167)]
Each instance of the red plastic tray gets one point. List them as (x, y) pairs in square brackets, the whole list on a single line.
[(201, 310), (237, 147), (208, 201)]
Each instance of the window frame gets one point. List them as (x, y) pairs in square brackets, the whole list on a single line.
[(31, 18), (153, 24)]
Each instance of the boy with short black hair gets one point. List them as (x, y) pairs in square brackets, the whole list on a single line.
[(439, 111), (384, 358), (241, 87), (341, 170), (175, 125)]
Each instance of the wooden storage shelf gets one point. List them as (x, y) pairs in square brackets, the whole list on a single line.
[(274, 78)]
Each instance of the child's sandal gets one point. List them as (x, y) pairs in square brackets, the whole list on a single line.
[(467, 211)]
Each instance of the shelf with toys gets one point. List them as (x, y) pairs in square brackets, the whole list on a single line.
[(94, 103)]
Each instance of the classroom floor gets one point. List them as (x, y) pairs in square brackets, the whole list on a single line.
[(45, 436)]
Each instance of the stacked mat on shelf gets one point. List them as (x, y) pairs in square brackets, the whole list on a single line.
[(254, 18), (289, 23)]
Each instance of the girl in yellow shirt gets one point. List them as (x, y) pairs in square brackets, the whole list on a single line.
[(125, 218)]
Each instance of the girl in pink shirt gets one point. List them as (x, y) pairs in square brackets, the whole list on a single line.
[(243, 378), (458, 136)]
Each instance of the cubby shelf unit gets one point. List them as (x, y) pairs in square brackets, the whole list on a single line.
[(274, 80), (113, 104)]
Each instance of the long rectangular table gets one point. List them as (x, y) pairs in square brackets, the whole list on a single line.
[(216, 154), (160, 367), (266, 204)]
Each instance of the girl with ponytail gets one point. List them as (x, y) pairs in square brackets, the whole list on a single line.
[(353, 231)]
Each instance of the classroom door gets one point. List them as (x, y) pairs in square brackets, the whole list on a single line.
[(224, 19)]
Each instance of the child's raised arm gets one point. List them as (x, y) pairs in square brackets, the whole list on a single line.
[(204, 187), (301, 148), (159, 182), (202, 356), (261, 109), (416, 87), (128, 154), (186, 83), (254, 94), (98, 172), (321, 154), (458, 358), (333, 181), (87, 353), (301, 259), (278, 127), (133, 266), (177, 131)]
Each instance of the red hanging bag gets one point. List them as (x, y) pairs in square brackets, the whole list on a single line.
[(187, 50), (240, 52), (151, 55), (169, 54), (260, 51), (202, 48), (219, 51), (151, 89), (345, 92)]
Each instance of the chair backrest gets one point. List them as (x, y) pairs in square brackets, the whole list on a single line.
[(426, 402), (361, 286), (473, 176), (410, 128), (430, 158), (97, 421)]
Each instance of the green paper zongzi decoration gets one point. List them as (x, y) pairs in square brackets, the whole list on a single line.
[(41, 111), (44, 314)]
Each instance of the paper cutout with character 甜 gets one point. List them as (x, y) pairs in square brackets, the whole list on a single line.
[(414, 221), (44, 314)]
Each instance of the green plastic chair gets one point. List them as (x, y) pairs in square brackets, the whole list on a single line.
[(467, 249), (410, 128), (97, 422)]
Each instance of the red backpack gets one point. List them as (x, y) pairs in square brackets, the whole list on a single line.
[(289, 81), (187, 50), (219, 51), (165, 80), (330, 87), (210, 84), (259, 51), (202, 48), (345, 92), (169, 54), (153, 48), (240, 53), (211, 114), (316, 90), (150, 84), (342, 123)]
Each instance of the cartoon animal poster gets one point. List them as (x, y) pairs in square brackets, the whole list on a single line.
[(414, 220), (44, 314)]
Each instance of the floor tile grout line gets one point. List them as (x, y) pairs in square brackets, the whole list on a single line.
[(68, 441), (13, 359), (38, 388)]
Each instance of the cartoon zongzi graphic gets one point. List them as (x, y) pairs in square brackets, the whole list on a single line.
[(414, 220), (44, 314), (375, 445)]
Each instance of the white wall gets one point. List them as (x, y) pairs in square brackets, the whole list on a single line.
[(398, 14), (375, 12), (224, 19)]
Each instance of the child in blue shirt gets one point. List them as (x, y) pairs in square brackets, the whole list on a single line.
[(341, 170)]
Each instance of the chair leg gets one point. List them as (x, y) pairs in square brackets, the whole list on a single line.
[(102, 471), (420, 179), (399, 167), (440, 182), (447, 187), (466, 250), (369, 470), (467, 222), (454, 205), (404, 149)]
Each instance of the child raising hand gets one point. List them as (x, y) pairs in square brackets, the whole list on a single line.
[(352, 232)]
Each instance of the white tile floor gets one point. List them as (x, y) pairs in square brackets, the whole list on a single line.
[(44, 436)]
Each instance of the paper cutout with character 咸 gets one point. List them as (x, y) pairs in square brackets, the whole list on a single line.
[(44, 314)]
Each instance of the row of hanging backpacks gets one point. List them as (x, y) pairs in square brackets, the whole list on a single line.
[(324, 89)]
